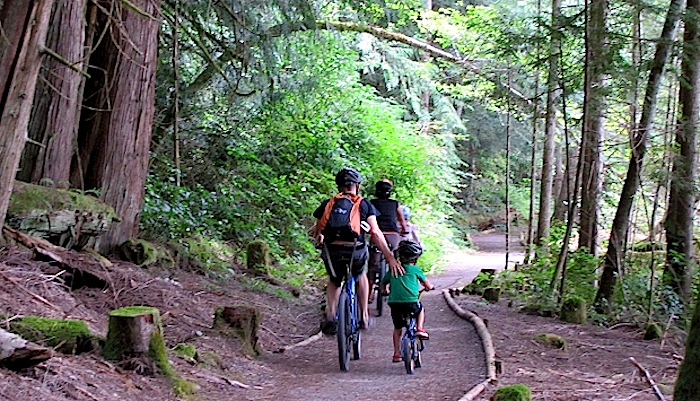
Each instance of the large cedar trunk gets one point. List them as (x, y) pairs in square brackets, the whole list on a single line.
[(687, 385), (24, 25), (593, 122), (115, 135), (618, 233), (56, 112), (680, 257)]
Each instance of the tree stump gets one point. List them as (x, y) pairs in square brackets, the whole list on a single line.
[(17, 353), (258, 260), (492, 294), (573, 310), (243, 322), (134, 331)]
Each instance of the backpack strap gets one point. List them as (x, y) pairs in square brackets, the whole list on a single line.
[(354, 212)]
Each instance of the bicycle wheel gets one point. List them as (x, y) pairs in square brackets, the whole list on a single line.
[(344, 332), (417, 357), (380, 298), (356, 333), (406, 354)]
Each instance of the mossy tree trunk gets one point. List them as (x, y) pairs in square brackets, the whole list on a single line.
[(688, 385)]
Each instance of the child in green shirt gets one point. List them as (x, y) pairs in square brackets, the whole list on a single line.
[(403, 298)]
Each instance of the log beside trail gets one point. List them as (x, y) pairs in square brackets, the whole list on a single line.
[(17, 353)]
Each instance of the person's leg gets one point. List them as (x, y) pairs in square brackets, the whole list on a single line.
[(420, 319), (396, 337), (332, 294), (362, 294)]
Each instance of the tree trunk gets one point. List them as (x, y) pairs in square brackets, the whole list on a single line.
[(17, 353), (115, 135), (616, 245), (24, 24), (680, 257), (56, 111), (593, 122), (553, 92), (687, 385)]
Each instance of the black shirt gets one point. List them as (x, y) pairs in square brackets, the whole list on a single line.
[(388, 215)]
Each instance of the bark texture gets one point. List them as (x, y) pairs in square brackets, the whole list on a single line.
[(56, 111), (680, 257), (115, 136), (25, 24)]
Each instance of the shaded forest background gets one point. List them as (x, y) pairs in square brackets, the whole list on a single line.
[(215, 123)]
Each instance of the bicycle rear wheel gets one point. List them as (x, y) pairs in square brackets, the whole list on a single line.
[(417, 357), (406, 354), (344, 331)]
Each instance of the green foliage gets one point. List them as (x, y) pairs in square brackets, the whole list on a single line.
[(513, 392)]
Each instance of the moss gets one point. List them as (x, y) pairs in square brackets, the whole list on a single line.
[(27, 197), (653, 331), (186, 350), (131, 311), (513, 392), (258, 256), (67, 336), (552, 340), (573, 310), (159, 355), (208, 256)]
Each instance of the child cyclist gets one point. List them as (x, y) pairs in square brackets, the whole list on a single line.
[(403, 295)]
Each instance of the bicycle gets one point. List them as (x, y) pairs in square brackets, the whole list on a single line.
[(376, 289), (411, 345)]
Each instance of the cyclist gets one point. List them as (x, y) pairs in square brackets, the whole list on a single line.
[(403, 295), (390, 220), (410, 234), (335, 251)]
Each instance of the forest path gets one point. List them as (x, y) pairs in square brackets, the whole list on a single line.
[(453, 360)]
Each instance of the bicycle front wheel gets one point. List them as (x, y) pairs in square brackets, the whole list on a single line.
[(344, 331)]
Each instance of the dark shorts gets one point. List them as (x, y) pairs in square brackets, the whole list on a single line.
[(375, 255), (401, 311), (340, 256)]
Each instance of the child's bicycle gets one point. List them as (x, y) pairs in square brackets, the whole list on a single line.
[(411, 345)]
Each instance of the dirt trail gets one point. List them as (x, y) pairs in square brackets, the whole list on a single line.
[(453, 362)]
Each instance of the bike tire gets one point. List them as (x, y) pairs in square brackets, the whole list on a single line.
[(344, 332), (356, 333), (418, 357), (380, 297), (406, 354)]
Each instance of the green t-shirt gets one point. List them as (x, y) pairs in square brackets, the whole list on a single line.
[(404, 288)]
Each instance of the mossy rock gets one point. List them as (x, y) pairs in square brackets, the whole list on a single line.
[(258, 257), (187, 351), (653, 331), (492, 294), (513, 392), (65, 336), (65, 218), (144, 253), (207, 256), (552, 340), (574, 310)]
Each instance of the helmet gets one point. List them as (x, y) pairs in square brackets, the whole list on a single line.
[(383, 188), (406, 212), (347, 176), (409, 251)]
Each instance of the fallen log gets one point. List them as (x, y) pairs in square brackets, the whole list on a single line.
[(17, 353), (85, 270)]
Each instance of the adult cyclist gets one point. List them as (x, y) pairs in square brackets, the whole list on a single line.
[(390, 220), (337, 252)]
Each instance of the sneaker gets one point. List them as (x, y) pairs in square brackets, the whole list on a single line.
[(422, 334), (329, 327), (396, 359)]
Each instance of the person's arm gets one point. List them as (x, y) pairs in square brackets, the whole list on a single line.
[(401, 219), (379, 240), (427, 284)]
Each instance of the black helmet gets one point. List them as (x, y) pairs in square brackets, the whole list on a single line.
[(409, 251), (347, 176), (383, 188)]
